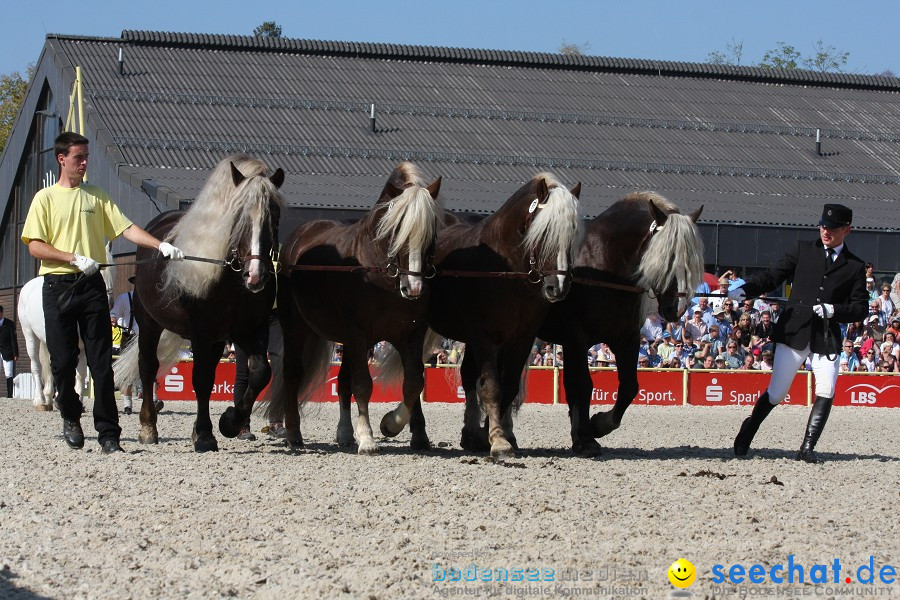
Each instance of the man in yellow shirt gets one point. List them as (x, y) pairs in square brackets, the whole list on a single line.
[(67, 227)]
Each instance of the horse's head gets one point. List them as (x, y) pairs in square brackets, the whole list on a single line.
[(256, 248), (671, 265), (407, 227), (553, 231)]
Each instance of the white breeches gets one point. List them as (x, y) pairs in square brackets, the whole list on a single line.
[(9, 368), (788, 360)]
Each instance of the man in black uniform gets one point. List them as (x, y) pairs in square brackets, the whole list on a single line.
[(9, 351), (829, 288)]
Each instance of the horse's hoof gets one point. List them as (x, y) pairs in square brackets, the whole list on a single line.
[(43, 407), (206, 443), (474, 442), (345, 439), (367, 449), (148, 435), (227, 424), (420, 443), (587, 447), (388, 422), (501, 450), (603, 424), (294, 445)]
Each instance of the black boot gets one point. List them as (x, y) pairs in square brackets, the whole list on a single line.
[(818, 416), (9, 386), (751, 424)]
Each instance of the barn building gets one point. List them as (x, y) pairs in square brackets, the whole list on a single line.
[(761, 150)]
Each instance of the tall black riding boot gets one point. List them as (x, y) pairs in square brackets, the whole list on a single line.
[(751, 424), (9, 387), (818, 416)]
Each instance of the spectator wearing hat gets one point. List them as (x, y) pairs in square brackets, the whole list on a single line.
[(829, 287), (697, 327), (666, 347), (720, 362), (894, 327), (870, 287), (721, 320), (775, 309)]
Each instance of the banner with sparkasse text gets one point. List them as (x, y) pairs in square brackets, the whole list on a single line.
[(544, 385)]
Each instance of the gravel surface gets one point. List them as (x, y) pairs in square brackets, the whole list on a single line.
[(255, 521)]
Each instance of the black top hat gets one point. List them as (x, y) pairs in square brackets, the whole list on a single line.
[(836, 215)]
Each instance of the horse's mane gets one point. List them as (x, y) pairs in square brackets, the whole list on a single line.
[(217, 221), (557, 227), (412, 218), (674, 253)]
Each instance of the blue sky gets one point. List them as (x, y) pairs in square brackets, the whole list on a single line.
[(652, 29)]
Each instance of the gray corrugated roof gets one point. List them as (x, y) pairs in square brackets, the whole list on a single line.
[(740, 140)]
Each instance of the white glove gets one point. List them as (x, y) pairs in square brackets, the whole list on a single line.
[(170, 251), (737, 294), (825, 314), (86, 264)]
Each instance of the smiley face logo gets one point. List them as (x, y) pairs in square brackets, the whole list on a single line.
[(682, 573)]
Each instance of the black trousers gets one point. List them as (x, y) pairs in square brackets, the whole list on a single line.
[(71, 303)]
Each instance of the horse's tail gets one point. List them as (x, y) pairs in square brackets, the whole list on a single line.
[(315, 361), (126, 369), (389, 369)]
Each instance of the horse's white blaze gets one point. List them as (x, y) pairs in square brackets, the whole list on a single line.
[(562, 264), (414, 282), (254, 269)]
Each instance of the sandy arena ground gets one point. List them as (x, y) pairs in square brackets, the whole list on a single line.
[(255, 521)]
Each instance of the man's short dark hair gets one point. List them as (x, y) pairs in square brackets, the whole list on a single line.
[(66, 140)]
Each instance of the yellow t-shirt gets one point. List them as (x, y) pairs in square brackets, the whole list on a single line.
[(77, 220)]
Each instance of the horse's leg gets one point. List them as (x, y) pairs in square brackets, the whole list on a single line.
[(253, 348), (578, 384), (148, 366), (513, 359), (474, 435), (490, 392), (413, 384), (604, 423), (206, 357), (40, 370), (345, 425), (356, 354), (295, 335)]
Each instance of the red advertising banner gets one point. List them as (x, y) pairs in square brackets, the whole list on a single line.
[(862, 389), (656, 388), (176, 385), (739, 388)]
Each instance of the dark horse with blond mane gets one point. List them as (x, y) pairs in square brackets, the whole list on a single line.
[(638, 250), (356, 284), (227, 295), (496, 280)]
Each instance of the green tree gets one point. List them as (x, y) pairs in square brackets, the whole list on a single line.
[(784, 56), (734, 52), (268, 29), (826, 58), (12, 94)]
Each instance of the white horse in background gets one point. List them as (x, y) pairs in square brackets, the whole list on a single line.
[(31, 318)]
